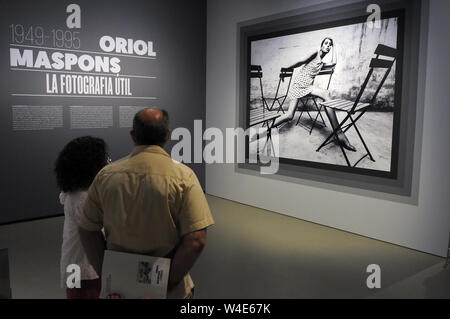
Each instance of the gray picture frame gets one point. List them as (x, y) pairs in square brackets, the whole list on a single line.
[(398, 181)]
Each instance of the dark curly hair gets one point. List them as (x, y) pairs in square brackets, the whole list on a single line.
[(78, 163)]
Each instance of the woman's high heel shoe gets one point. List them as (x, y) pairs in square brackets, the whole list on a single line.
[(346, 144)]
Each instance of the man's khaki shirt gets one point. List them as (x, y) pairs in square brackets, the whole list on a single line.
[(146, 203)]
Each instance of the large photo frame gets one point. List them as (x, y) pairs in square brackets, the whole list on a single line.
[(334, 89)]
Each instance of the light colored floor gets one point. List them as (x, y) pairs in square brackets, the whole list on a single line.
[(253, 253)]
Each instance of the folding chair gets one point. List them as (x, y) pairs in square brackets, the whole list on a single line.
[(284, 73), (256, 72), (310, 97), (267, 118), (262, 115), (352, 107)]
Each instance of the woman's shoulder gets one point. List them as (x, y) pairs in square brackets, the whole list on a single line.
[(310, 55)]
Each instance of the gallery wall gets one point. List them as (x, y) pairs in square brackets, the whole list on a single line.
[(420, 220), (39, 115)]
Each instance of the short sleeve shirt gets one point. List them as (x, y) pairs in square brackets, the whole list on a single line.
[(146, 203)]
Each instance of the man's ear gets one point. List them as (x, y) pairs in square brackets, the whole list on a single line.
[(169, 132), (133, 136)]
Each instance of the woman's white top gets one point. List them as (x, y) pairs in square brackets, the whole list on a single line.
[(72, 251)]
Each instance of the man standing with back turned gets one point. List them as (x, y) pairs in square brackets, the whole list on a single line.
[(148, 204)]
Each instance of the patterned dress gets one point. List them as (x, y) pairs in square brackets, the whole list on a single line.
[(303, 80)]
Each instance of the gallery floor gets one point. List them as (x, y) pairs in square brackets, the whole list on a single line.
[(253, 253)]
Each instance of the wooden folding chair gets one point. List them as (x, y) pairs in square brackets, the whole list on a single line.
[(353, 107), (310, 97)]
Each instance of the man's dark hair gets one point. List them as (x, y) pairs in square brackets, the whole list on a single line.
[(151, 133), (78, 163)]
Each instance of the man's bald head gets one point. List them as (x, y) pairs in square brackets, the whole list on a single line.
[(151, 127), (151, 116)]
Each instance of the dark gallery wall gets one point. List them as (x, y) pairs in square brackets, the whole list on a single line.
[(37, 118), (419, 220)]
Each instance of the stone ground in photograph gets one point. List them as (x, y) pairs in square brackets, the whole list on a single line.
[(296, 142)]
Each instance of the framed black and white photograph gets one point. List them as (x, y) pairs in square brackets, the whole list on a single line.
[(331, 92)]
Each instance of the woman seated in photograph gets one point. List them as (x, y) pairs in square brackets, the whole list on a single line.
[(302, 85), (75, 167)]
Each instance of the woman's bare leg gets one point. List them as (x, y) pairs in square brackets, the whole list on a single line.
[(343, 140), (289, 115)]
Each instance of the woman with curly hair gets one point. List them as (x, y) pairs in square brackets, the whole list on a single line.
[(75, 167)]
